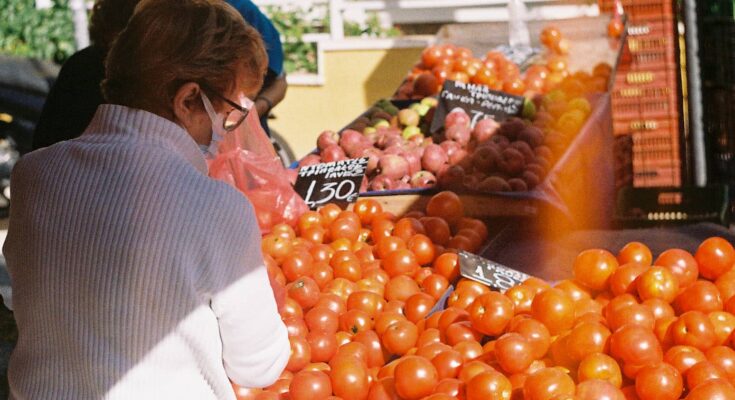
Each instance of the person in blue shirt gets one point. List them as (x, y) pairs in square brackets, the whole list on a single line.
[(274, 86), (74, 98)]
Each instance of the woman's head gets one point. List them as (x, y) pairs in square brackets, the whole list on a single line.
[(171, 50), (109, 17)]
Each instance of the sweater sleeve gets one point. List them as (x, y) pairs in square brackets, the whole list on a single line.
[(255, 342)]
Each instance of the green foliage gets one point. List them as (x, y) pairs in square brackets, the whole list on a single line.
[(294, 23), (46, 34), (299, 56)]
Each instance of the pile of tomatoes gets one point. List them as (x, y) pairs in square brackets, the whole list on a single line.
[(447, 61), (362, 284)]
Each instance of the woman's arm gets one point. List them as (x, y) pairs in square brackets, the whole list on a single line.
[(271, 95)]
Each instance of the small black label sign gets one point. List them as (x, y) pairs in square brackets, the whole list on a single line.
[(477, 100), (496, 276), (335, 181)]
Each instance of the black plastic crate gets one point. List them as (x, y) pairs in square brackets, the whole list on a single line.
[(717, 52), (716, 8), (718, 103)]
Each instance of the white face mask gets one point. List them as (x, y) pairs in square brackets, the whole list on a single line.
[(218, 131)]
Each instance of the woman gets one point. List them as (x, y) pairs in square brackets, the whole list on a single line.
[(74, 98), (135, 275)]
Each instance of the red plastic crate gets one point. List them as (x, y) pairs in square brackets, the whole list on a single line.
[(653, 175), (655, 102), (642, 125), (648, 53), (639, 8), (651, 26), (657, 145), (625, 78)]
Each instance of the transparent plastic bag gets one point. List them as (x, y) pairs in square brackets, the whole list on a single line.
[(247, 161)]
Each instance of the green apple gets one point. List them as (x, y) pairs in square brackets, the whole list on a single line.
[(410, 131), (409, 117), (381, 123), (368, 130)]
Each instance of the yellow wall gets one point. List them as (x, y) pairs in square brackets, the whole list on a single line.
[(353, 80)]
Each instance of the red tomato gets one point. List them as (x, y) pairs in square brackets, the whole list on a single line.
[(623, 279), (659, 382), (375, 356), (693, 328), (446, 205), (536, 334), (366, 209), (447, 265), (587, 338), (405, 228), (323, 346), (422, 247), (681, 264), (683, 357), (400, 288), (547, 383), (635, 252), (636, 346), (305, 291), (718, 389), (298, 264), (555, 309), (369, 302), (723, 357), (437, 229), (418, 306), (383, 389), (600, 366), (448, 363), (276, 247), (522, 298), (488, 385), (400, 262), (300, 353), (347, 228), (490, 313), (309, 385), (400, 337), (349, 378), (513, 353), (355, 321), (415, 377), (596, 389), (702, 372), (435, 285), (699, 296), (715, 256), (657, 282)]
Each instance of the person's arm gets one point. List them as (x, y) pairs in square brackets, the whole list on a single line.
[(255, 345), (271, 95)]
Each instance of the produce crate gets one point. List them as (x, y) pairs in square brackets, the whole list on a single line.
[(719, 127), (651, 26), (639, 8), (651, 102), (639, 124), (717, 52), (646, 77), (657, 174)]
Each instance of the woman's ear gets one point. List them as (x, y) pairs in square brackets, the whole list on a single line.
[(186, 103)]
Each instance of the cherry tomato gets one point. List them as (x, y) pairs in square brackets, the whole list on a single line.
[(415, 377), (490, 313), (699, 296), (600, 366), (717, 389), (681, 264), (659, 382), (693, 328), (635, 252), (657, 282), (555, 309), (715, 256), (323, 346), (488, 385), (513, 353), (308, 385), (683, 357), (400, 337), (587, 338), (636, 346), (623, 279), (547, 383), (300, 353), (349, 378)]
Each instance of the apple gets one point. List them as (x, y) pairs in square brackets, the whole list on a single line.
[(410, 131), (408, 117)]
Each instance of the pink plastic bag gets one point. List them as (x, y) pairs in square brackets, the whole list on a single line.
[(247, 161)]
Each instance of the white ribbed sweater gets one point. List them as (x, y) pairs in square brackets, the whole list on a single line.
[(134, 275)]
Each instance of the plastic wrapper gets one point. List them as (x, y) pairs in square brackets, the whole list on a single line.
[(247, 161)]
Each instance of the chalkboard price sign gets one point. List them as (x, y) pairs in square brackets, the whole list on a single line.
[(337, 181), (496, 276), (478, 101)]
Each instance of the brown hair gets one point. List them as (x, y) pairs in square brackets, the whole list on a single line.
[(168, 43), (109, 17)]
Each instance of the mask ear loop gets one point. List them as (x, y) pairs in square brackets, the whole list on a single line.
[(208, 106)]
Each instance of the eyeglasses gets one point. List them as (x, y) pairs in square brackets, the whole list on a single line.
[(235, 117)]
